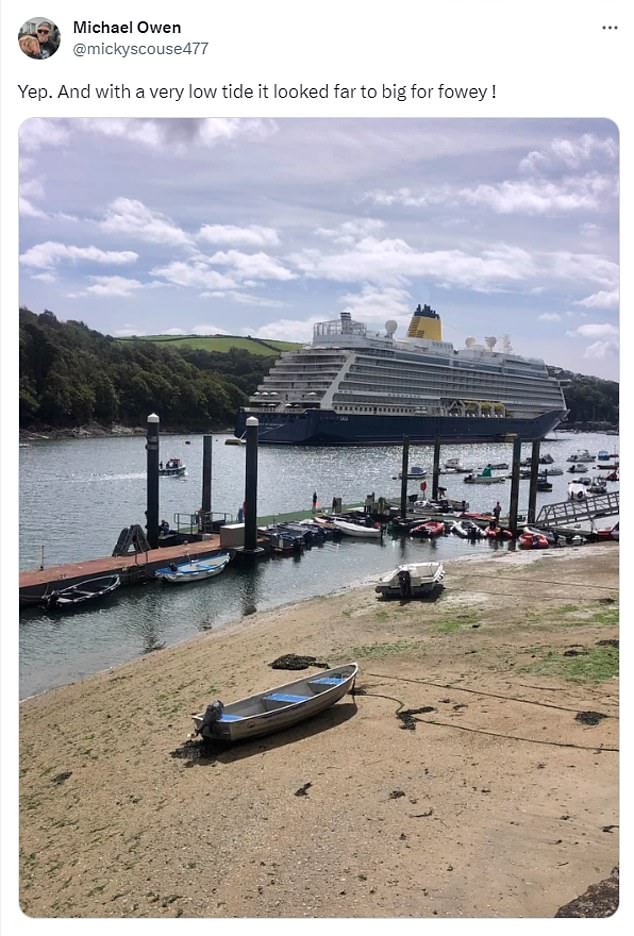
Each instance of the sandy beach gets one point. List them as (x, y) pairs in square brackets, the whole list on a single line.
[(496, 797)]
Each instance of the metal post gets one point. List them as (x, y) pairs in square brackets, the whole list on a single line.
[(404, 473), (152, 449), (206, 496), (435, 470), (532, 490), (251, 485), (515, 484)]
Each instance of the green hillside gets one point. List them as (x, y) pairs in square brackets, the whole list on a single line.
[(222, 343)]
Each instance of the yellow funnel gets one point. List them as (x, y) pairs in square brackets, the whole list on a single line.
[(425, 324)]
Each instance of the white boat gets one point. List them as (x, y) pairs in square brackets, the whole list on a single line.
[(577, 468), (173, 468), (196, 571), (412, 580), (455, 466), (576, 491), (73, 596), (415, 473), (356, 529), (466, 529), (598, 485), (582, 455), (275, 709)]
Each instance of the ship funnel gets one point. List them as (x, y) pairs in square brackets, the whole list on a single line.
[(425, 323)]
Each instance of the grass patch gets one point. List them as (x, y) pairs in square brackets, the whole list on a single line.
[(460, 620), (598, 664), (384, 649)]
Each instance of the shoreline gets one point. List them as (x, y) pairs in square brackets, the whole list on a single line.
[(113, 824)]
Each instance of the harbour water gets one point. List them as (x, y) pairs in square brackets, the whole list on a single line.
[(77, 495)]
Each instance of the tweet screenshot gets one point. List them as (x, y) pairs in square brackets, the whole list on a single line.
[(310, 469)]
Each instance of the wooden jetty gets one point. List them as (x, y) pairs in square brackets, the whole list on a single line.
[(132, 569)]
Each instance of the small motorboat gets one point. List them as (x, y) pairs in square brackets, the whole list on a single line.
[(414, 473), (576, 491), (498, 466), (74, 596), (196, 571), (427, 530), (455, 466), (466, 529), (412, 580), (173, 468), (234, 440), (543, 484), (485, 477), (577, 468), (497, 533), (351, 528), (532, 539), (582, 455), (275, 709), (597, 485)]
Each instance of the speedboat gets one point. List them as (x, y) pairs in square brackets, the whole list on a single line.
[(485, 477), (577, 468), (173, 468)]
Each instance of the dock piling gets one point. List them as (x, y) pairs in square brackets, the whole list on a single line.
[(152, 450), (251, 486), (404, 473), (532, 490), (206, 493), (515, 484), (435, 470)]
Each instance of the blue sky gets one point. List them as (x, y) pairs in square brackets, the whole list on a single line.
[(264, 227)]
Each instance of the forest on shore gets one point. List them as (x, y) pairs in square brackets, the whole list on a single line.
[(72, 376)]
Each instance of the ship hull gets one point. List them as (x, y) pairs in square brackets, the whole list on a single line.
[(323, 427)]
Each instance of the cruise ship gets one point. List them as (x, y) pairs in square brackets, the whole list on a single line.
[(355, 387)]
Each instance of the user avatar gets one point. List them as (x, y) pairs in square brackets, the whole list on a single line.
[(39, 38)]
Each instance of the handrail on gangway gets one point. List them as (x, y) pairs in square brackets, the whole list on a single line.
[(570, 512)]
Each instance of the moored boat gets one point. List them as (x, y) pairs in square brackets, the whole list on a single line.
[(531, 539), (196, 571), (576, 491), (412, 580), (277, 708), (350, 528), (582, 455), (79, 594), (427, 530), (577, 468), (485, 477)]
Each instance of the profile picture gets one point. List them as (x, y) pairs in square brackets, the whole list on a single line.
[(39, 38)]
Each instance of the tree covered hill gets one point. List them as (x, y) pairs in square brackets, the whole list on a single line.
[(71, 376)]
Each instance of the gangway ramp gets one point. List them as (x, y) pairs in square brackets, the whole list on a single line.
[(571, 512)]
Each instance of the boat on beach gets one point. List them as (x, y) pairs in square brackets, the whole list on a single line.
[(412, 580), (73, 596), (277, 708), (196, 571)]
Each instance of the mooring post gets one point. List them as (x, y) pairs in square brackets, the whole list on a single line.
[(152, 449), (404, 473), (515, 484), (435, 470), (251, 486), (206, 496), (532, 490)]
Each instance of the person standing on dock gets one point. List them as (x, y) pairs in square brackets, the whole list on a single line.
[(314, 501), (497, 510)]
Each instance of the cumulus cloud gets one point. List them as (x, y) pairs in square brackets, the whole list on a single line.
[(131, 218), (601, 350), (177, 135), (194, 274), (571, 153), (253, 235), (350, 231), (596, 330), (604, 299), (48, 254), (549, 317), (113, 286), (41, 132), (254, 266)]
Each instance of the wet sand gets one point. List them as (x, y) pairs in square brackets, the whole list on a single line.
[(497, 801)]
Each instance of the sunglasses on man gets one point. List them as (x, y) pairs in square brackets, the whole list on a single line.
[(44, 32)]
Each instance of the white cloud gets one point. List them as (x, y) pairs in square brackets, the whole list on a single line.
[(176, 136), (113, 286), (300, 330), (258, 265), (130, 217), (253, 235), (28, 210), (50, 253), (571, 153), (596, 330), (41, 132), (549, 317), (602, 349), (194, 274), (208, 330), (601, 300), (350, 231)]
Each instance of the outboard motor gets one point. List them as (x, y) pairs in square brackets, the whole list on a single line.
[(212, 713), (405, 583)]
